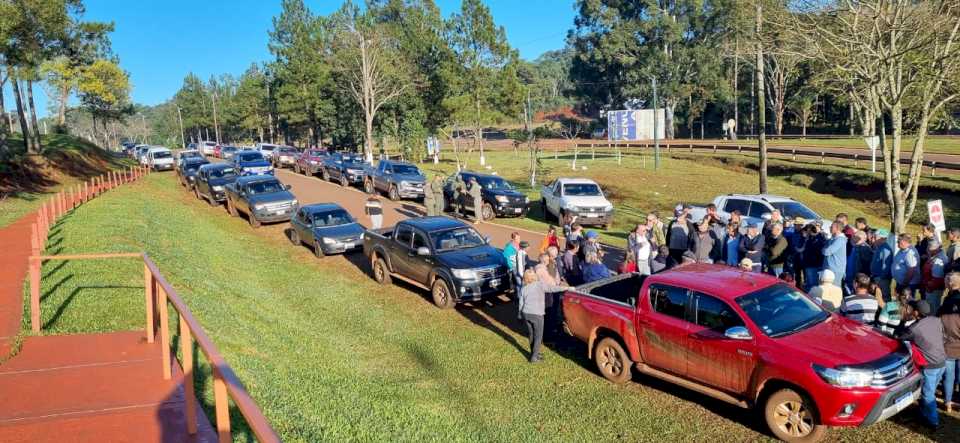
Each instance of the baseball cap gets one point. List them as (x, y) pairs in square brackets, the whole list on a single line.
[(882, 233), (524, 243), (592, 234)]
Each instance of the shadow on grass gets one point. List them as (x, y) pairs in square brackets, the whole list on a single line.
[(73, 294)]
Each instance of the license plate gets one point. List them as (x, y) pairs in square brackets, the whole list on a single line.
[(495, 282), (591, 215), (904, 401), (348, 245), (280, 212), (517, 210)]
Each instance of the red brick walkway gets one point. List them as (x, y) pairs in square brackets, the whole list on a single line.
[(82, 388)]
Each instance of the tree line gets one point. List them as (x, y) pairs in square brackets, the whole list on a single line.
[(47, 42)]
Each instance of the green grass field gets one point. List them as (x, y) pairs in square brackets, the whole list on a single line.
[(331, 356)]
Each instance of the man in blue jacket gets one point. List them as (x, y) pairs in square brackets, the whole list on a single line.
[(835, 253), (882, 262)]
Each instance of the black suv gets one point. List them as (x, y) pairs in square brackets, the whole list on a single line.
[(500, 199), (211, 182)]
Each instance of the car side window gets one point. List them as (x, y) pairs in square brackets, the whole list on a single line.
[(736, 204), (714, 314), (557, 189), (757, 210), (404, 235), (419, 241), (669, 300)]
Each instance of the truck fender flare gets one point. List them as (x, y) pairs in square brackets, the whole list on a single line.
[(769, 386), (441, 273), (378, 252), (601, 332)]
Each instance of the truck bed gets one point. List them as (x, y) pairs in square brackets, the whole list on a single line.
[(623, 288)]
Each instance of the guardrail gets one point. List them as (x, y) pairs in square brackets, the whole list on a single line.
[(158, 296)]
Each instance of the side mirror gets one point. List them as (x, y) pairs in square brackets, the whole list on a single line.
[(738, 333), (387, 171), (766, 216), (287, 187), (423, 250), (486, 239)]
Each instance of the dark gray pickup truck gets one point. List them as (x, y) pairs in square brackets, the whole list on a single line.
[(441, 254), (262, 198), (398, 179)]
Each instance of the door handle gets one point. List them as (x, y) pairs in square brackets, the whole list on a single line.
[(575, 301)]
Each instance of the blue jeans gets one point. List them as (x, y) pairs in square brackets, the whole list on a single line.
[(811, 278), (928, 395), (949, 378)]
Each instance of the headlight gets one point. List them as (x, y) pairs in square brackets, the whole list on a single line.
[(404, 184), (258, 207), (295, 203), (845, 378), (608, 208), (329, 241), (464, 274), (218, 188), (526, 199), (502, 199), (313, 162), (569, 207)]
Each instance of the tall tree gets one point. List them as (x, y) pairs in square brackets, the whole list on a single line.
[(484, 62), (105, 92), (762, 109)]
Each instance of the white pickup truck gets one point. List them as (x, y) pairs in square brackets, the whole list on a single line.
[(580, 197), (756, 208)]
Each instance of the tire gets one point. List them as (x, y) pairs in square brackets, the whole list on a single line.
[(612, 361), (543, 207), (212, 201), (325, 175), (368, 186), (254, 223), (381, 272), (196, 192), (441, 294), (487, 212), (231, 209), (792, 417), (393, 194), (295, 237), (317, 250), (296, 168), (343, 181)]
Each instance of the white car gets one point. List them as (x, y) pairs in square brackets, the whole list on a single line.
[(266, 149), (578, 197), (756, 209), (160, 159), (207, 147)]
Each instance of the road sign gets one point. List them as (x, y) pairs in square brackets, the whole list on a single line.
[(935, 212), (873, 142)]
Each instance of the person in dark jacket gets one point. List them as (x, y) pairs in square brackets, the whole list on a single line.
[(927, 336), (811, 253), (704, 244), (751, 246), (861, 254), (678, 235), (776, 250), (570, 269), (593, 270), (950, 317)]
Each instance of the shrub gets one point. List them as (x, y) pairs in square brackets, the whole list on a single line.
[(801, 180)]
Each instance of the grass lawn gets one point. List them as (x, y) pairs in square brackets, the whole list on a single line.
[(331, 356), (636, 188), (26, 182)]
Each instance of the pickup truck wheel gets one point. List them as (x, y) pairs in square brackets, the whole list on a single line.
[(254, 223), (442, 296), (325, 175), (196, 192), (317, 250), (487, 212), (343, 181), (381, 273), (791, 417), (543, 207), (612, 361), (368, 186), (296, 168), (295, 238), (393, 194), (212, 201)]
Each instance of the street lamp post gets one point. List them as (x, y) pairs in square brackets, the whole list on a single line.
[(183, 138)]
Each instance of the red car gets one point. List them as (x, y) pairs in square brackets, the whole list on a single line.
[(747, 339), (216, 151), (310, 161)]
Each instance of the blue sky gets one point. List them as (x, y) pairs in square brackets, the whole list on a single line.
[(160, 41)]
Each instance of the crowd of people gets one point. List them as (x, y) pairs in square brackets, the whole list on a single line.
[(903, 287)]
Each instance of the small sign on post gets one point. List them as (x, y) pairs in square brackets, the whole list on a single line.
[(935, 213), (873, 142)]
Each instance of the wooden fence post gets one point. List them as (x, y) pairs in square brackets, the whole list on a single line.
[(933, 169), (856, 161), (822, 157), (164, 331), (222, 406), (189, 396), (34, 264), (794, 153), (149, 295)]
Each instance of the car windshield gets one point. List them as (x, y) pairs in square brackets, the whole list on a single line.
[(265, 187), (192, 167), (162, 154), (209, 143), (250, 157), (581, 189), (494, 183), (795, 210), (315, 153), (457, 238), (335, 217), (228, 149), (781, 309), (267, 147), (405, 169), (192, 154), (287, 150), (222, 172)]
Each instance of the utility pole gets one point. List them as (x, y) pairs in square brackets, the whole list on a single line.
[(143, 122), (656, 127), (530, 146), (183, 141), (216, 125), (761, 105)]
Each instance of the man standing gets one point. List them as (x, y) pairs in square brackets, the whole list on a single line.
[(459, 195), (776, 250), (752, 246), (927, 335), (859, 260), (438, 198), (703, 243), (835, 253), (906, 265), (882, 262), (933, 273), (428, 203), (953, 251), (476, 193)]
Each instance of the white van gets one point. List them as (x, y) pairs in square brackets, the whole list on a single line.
[(266, 149), (207, 147), (160, 159)]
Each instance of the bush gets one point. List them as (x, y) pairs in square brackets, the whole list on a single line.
[(801, 180)]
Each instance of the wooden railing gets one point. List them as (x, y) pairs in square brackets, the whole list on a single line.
[(158, 296)]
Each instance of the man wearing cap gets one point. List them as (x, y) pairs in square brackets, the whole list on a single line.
[(933, 273), (881, 262), (520, 262), (835, 253), (828, 294), (752, 245), (926, 334), (591, 245)]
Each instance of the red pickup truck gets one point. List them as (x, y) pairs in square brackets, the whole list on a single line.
[(747, 339)]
